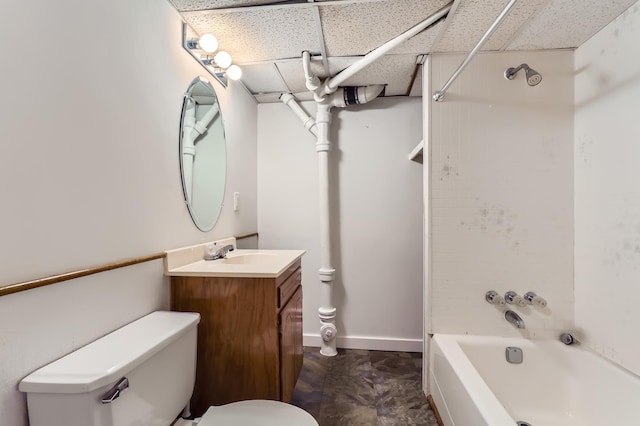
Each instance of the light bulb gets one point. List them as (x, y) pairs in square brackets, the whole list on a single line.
[(223, 59), (208, 43), (234, 72)]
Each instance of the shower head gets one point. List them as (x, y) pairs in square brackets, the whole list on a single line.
[(533, 77)]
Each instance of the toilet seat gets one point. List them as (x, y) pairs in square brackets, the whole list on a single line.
[(257, 412)]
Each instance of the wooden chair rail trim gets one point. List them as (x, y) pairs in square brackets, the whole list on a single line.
[(249, 235), (53, 279)]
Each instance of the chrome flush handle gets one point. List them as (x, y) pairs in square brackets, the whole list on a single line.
[(114, 392)]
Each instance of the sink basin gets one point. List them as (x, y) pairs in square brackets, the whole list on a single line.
[(250, 259), (251, 263)]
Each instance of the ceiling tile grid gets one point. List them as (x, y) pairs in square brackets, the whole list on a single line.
[(568, 23), (260, 34), (266, 37), (357, 28)]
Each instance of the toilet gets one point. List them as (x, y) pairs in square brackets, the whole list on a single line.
[(140, 374)]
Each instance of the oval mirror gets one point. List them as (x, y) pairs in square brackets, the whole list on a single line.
[(202, 153)]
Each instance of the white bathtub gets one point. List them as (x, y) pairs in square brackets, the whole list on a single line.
[(472, 384)]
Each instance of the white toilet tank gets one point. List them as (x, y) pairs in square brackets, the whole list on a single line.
[(157, 356)]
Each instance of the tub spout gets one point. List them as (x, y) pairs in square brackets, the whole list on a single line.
[(514, 319)]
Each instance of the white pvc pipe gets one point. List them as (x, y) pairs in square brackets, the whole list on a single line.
[(349, 95), (326, 312), (308, 122), (331, 85)]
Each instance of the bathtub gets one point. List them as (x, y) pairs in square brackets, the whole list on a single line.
[(472, 384)]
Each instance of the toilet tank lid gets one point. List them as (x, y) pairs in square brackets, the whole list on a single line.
[(110, 357)]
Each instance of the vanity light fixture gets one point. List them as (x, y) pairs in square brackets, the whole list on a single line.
[(222, 59), (234, 72), (220, 64), (207, 42)]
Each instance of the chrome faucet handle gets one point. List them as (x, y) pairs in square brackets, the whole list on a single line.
[(494, 298), (532, 299), (221, 253), (512, 298)]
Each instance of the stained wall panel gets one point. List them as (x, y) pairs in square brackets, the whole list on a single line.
[(607, 199), (501, 179)]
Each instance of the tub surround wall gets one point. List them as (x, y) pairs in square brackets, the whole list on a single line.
[(607, 192), (90, 172), (501, 184), (377, 216)]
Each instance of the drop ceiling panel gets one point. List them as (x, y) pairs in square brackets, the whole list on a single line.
[(191, 5), (359, 27), (470, 19), (260, 34), (263, 77), (568, 23), (521, 13)]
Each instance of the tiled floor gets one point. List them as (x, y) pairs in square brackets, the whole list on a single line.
[(363, 388)]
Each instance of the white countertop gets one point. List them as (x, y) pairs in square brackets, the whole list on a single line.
[(262, 264)]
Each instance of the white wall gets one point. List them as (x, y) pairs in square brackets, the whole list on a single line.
[(607, 194), (89, 173), (376, 213), (501, 192)]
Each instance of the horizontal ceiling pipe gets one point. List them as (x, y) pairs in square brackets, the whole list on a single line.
[(331, 85)]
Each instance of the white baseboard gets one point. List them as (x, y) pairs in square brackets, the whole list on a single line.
[(369, 343)]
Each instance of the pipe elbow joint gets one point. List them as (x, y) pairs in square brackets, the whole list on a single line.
[(312, 83)]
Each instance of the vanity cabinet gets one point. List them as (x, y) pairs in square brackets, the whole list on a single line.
[(249, 336)]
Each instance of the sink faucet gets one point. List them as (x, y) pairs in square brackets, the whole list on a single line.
[(218, 254), (514, 319)]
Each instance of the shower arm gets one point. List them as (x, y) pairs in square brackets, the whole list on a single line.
[(510, 73), (439, 95)]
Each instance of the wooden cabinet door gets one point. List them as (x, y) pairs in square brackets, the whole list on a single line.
[(290, 344)]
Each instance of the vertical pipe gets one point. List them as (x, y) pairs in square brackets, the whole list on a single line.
[(326, 312)]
